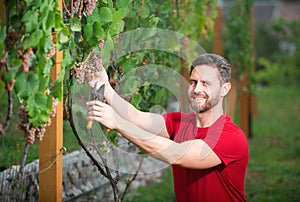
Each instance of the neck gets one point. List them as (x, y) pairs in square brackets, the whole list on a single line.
[(207, 118)]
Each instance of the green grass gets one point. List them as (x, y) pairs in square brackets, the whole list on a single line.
[(273, 171), (160, 192)]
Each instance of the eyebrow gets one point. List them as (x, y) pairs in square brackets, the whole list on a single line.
[(202, 81)]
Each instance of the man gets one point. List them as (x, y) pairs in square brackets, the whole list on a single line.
[(207, 151)]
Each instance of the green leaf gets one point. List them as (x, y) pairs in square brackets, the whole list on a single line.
[(14, 63), (98, 30), (63, 35), (9, 76), (88, 31), (2, 48), (56, 90), (47, 67), (118, 15), (33, 39), (75, 24), (2, 33), (33, 82), (145, 11), (94, 17), (105, 15), (128, 65), (136, 99), (131, 85), (39, 106), (68, 60), (31, 21), (106, 51), (58, 22), (21, 87), (48, 45)]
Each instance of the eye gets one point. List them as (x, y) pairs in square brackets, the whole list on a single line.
[(193, 82), (206, 83)]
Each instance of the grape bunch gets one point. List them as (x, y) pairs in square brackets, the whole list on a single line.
[(90, 5), (34, 132), (26, 60), (91, 69), (76, 6)]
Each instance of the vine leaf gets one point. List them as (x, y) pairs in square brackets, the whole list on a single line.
[(98, 30), (31, 21), (64, 35), (75, 24), (26, 84), (33, 39), (39, 107), (105, 15), (106, 51)]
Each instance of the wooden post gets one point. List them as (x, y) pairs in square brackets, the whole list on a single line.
[(231, 99), (247, 101), (50, 149), (218, 33), (2, 12)]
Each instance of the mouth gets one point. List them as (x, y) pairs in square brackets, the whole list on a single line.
[(199, 98)]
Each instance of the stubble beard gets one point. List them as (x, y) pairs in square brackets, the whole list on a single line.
[(201, 108)]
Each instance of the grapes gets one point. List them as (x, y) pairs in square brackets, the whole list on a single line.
[(90, 5), (77, 6), (26, 60), (92, 68), (34, 132)]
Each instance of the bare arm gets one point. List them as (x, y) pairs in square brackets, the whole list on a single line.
[(153, 123), (194, 154)]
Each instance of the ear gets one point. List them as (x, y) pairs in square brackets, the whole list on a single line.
[(225, 89)]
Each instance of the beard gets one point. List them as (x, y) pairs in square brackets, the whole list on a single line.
[(204, 105)]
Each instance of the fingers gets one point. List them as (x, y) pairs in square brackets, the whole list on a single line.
[(101, 112), (96, 103)]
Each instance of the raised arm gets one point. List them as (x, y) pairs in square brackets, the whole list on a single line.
[(194, 154), (153, 123)]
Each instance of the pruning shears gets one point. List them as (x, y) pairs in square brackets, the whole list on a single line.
[(97, 94)]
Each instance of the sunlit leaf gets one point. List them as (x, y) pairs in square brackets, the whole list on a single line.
[(75, 24)]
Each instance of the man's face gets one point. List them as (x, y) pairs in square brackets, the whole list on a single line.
[(204, 88)]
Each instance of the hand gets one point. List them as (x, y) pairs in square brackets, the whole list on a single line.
[(103, 113), (100, 77)]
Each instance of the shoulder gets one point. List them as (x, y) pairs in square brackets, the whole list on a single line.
[(232, 130), (232, 143)]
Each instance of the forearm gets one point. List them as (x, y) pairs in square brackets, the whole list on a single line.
[(156, 146), (153, 123), (195, 154)]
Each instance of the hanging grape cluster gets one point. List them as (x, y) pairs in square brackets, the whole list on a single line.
[(34, 132), (26, 60), (92, 68), (78, 5)]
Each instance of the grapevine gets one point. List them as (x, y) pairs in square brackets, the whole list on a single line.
[(27, 50), (34, 132)]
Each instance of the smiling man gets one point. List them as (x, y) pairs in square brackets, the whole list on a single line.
[(207, 151)]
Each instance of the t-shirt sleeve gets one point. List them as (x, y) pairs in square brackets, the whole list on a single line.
[(169, 123), (227, 140), (231, 146)]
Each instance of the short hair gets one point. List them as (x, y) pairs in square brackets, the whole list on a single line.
[(216, 61)]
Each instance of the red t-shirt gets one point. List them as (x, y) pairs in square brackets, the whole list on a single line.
[(221, 183)]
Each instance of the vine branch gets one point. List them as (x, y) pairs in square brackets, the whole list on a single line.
[(8, 116), (71, 121)]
